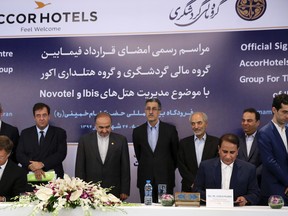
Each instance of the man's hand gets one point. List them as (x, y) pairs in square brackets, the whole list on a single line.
[(241, 201), (123, 196), (35, 165), (38, 174)]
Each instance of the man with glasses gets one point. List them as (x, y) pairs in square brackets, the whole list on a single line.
[(272, 143), (13, 180), (42, 147), (103, 156), (155, 145)]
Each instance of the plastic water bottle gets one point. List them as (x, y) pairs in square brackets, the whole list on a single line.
[(148, 193)]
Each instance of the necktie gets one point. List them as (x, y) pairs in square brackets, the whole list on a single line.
[(41, 141)]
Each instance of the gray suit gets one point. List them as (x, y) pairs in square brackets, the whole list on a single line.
[(116, 168)]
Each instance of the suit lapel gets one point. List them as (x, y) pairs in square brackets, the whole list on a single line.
[(233, 181), (217, 174), (94, 147), (110, 149), (253, 148), (193, 152), (278, 137), (243, 149)]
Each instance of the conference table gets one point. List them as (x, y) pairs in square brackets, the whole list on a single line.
[(155, 209)]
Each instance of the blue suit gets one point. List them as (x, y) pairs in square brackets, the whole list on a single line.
[(243, 179), (275, 162)]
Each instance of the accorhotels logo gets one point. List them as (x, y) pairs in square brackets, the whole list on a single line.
[(45, 18)]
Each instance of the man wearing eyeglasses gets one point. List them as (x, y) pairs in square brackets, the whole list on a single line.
[(103, 156), (42, 147), (13, 180), (155, 145)]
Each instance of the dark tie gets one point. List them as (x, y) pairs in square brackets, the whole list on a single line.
[(41, 141)]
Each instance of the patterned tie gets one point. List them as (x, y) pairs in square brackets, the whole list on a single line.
[(41, 141)]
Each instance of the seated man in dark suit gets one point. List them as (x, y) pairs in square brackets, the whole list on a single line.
[(228, 172), (13, 179)]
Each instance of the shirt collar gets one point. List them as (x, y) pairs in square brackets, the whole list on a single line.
[(252, 135), (156, 126), (45, 129), (278, 127), (4, 165), (203, 138), (223, 165)]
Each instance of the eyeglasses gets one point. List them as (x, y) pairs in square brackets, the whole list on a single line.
[(153, 109)]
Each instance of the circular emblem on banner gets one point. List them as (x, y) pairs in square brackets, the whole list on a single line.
[(250, 9)]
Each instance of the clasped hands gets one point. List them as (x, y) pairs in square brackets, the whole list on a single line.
[(37, 168)]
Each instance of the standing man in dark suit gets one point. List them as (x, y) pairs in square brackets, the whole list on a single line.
[(194, 149), (10, 131), (248, 150), (104, 156), (155, 145), (227, 172), (272, 142), (42, 147), (13, 180)]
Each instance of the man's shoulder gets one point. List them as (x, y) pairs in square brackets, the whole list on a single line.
[(210, 162), (167, 125), (187, 139), (52, 127), (266, 127), (8, 126), (117, 135), (213, 139), (245, 164), (28, 130), (140, 127)]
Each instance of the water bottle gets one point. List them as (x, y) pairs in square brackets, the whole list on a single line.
[(148, 193)]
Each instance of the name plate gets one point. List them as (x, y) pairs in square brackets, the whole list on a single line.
[(219, 198), (187, 199)]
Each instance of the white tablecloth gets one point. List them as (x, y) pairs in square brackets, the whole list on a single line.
[(157, 210)]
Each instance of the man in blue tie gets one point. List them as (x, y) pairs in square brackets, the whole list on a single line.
[(155, 145)]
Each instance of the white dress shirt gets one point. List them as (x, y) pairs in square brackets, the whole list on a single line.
[(226, 173)]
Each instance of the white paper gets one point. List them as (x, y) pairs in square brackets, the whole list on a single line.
[(219, 198)]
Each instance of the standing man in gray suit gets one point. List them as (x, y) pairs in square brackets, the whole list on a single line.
[(155, 145), (194, 149), (103, 156), (248, 150)]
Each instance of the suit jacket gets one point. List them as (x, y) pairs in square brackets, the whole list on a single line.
[(116, 168), (254, 156), (13, 133), (51, 154), (275, 162), (158, 166), (13, 181), (243, 179), (187, 161)]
